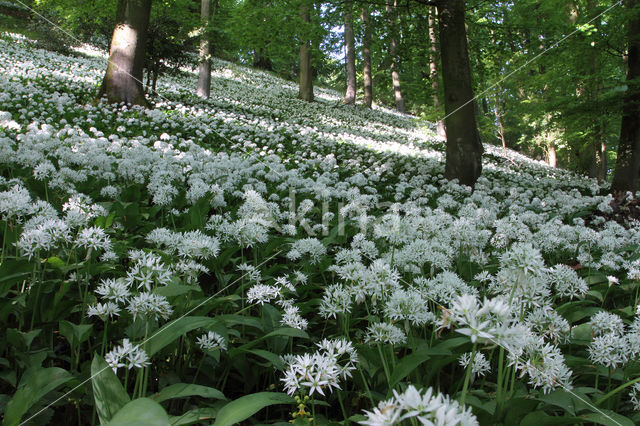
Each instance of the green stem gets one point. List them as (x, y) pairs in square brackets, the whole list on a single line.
[(467, 376), (385, 366), (618, 389), (499, 401)]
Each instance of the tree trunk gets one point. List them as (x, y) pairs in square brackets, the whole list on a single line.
[(123, 79), (627, 170), (464, 148), (551, 154), (204, 78), (366, 57), (306, 78), (498, 112), (350, 95), (433, 69), (261, 60), (393, 52)]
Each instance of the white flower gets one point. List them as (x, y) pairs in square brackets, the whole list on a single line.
[(212, 341), (128, 355)]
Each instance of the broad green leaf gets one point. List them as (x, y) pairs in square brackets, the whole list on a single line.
[(517, 408), (269, 356), (35, 384), (246, 406), (56, 262), (183, 390), (572, 402), (196, 415), (410, 362), (540, 418), (609, 418), (173, 330), (173, 289), (285, 331), (141, 411), (108, 392), (74, 333)]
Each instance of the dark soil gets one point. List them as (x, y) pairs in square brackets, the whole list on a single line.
[(625, 211)]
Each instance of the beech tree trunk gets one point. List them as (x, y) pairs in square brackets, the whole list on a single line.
[(350, 95), (393, 52), (204, 77), (433, 69), (625, 177), (366, 57), (498, 113), (306, 74), (464, 148), (123, 79)]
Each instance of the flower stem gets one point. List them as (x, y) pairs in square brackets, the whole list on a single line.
[(467, 376)]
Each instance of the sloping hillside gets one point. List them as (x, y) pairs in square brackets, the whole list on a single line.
[(225, 239)]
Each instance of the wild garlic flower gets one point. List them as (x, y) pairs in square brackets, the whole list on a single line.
[(104, 310), (611, 350), (428, 408), (545, 365), (128, 355), (262, 293), (212, 341), (293, 319), (311, 247), (410, 306), (479, 322), (604, 323), (47, 235), (549, 323), (93, 238), (382, 332), (566, 282), (480, 364), (321, 370), (149, 306), (115, 290), (336, 300), (148, 271), (15, 204), (634, 395)]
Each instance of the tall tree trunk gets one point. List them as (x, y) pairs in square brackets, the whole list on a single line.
[(625, 177), (393, 52), (551, 154), (433, 69), (366, 57), (350, 95), (306, 74), (204, 78), (498, 113), (464, 148), (123, 79), (261, 59)]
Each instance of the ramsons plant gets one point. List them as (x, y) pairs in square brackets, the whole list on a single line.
[(255, 258)]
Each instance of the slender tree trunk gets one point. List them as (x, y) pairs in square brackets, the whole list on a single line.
[(204, 78), (464, 148), (306, 73), (123, 79), (627, 170), (350, 95), (393, 52), (498, 112), (433, 69), (551, 154), (366, 57)]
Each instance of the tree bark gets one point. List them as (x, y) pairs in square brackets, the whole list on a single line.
[(464, 148), (122, 81), (433, 69), (366, 57), (393, 52), (204, 77), (306, 74), (350, 95), (498, 114), (627, 170)]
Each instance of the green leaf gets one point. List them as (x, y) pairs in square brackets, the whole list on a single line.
[(609, 418), (75, 334), (173, 289), (56, 262), (35, 384), (173, 330), (285, 331), (196, 415), (410, 362), (141, 411), (269, 356), (108, 392), (183, 390), (540, 418), (246, 406)]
